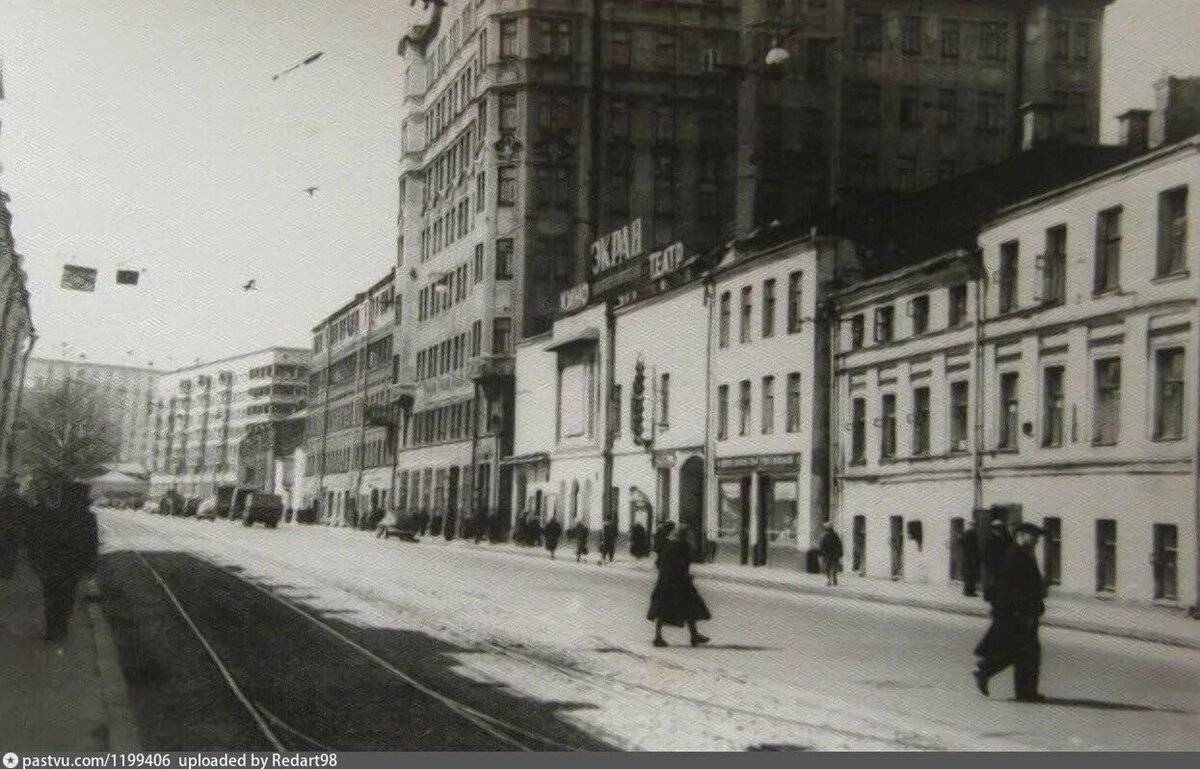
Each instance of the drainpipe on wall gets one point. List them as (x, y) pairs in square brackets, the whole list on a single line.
[(834, 399), (325, 426), (710, 449), (610, 377)]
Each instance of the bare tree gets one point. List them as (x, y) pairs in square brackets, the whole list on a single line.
[(64, 435)]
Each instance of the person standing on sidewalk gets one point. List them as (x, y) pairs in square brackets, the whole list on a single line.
[(675, 600), (63, 546), (831, 554), (608, 539), (1012, 638), (581, 534), (14, 514), (551, 534)]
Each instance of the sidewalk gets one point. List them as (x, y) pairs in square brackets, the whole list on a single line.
[(1155, 624), (68, 696)]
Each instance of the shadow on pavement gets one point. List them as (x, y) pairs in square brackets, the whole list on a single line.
[(1076, 702), (320, 690)]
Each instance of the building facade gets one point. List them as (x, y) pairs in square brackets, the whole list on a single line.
[(203, 413), (886, 94), (17, 335), (1051, 377), (349, 448), (126, 392)]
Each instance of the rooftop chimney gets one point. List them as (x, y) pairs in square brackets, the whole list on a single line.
[(1038, 124), (1135, 129)]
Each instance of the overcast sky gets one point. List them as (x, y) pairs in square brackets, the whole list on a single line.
[(148, 134)]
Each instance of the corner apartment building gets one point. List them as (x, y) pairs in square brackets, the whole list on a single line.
[(899, 95), (17, 335), (349, 452), (203, 413), (126, 392), (1051, 377)]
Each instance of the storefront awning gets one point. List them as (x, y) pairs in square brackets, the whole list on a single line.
[(526, 459), (586, 336)]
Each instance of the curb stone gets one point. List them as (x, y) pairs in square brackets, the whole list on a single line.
[(122, 734)]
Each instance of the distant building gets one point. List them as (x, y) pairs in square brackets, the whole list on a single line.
[(1049, 379), (126, 392), (349, 450), (203, 413), (17, 335)]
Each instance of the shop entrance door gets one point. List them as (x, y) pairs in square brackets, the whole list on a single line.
[(745, 527), (451, 524), (691, 503), (766, 498)]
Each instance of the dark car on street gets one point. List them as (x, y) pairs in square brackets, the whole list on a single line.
[(257, 507)]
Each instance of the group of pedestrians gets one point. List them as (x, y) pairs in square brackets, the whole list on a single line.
[(59, 536)]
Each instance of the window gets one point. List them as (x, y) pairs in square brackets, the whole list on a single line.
[(506, 189), (664, 198), (723, 412), (504, 258), (992, 116), (948, 111), (1106, 555), (793, 403), (620, 47), (664, 50), (747, 312), (509, 112), (1009, 410), (744, 408), (1165, 561), (795, 301), (1060, 40), (960, 398), (1052, 406), (618, 122), (664, 124), (480, 190), (1009, 254), (887, 426), (501, 336), (865, 105), (993, 41), (1168, 401), (920, 315), (910, 35), (920, 421), (1083, 41), (508, 39), (768, 309), (664, 401), (868, 32), (477, 266), (858, 432), (957, 313), (1106, 408), (1054, 266), (615, 410), (1108, 250), (555, 39), (768, 405), (723, 338), (883, 323), (910, 108), (857, 331), (1172, 232), (950, 39)]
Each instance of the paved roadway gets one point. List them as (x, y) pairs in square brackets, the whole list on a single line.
[(867, 672)]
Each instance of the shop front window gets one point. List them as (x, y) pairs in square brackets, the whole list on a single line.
[(781, 517), (729, 519)]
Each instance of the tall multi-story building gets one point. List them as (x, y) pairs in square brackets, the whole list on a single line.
[(17, 336), (203, 413), (891, 94), (126, 393), (349, 450)]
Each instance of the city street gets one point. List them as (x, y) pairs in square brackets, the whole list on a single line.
[(530, 653)]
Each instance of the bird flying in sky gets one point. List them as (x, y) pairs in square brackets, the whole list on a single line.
[(311, 190), (251, 285), (299, 64)]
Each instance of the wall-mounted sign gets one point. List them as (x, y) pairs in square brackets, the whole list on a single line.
[(616, 248), (574, 298), (761, 462)]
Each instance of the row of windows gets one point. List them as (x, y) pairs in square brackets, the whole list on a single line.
[(1170, 258), (428, 490), (454, 99), (866, 108), (450, 355), (451, 289), (917, 309), (447, 423), (274, 409), (451, 166), (992, 38), (767, 401), (1168, 410), (277, 389), (767, 316), (446, 229), (377, 451)]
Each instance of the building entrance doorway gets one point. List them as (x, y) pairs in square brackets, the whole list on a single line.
[(452, 486), (691, 503)]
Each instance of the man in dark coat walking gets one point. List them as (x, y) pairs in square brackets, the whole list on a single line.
[(63, 547), (1017, 607), (831, 554), (608, 539), (580, 533), (639, 541), (995, 550), (551, 534), (14, 515), (970, 556), (675, 600)]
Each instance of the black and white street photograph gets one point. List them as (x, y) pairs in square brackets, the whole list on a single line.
[(502, 376)]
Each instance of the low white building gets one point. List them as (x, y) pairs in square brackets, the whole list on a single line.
[(1070, 400)]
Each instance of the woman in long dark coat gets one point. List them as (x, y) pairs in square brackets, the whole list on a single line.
[(675, 600), (551, 533)]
